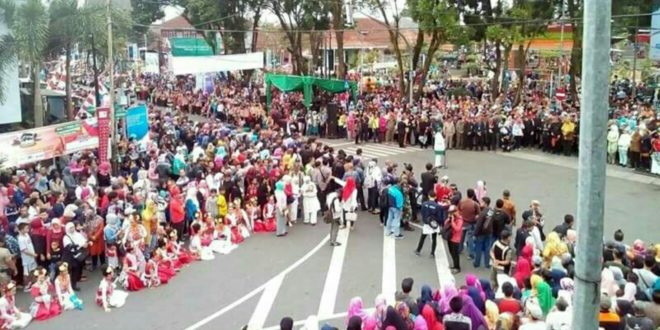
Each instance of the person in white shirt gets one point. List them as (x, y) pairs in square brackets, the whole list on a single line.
[(534, 319), (560, 316), (311, 205), (372, 181), (28, 254)]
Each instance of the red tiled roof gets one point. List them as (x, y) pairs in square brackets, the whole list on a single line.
[(372, 33), (177, 23)]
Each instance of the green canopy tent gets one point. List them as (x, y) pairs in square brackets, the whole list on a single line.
[(287, 83)]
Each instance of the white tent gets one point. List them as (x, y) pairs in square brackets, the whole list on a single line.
[(207, 64)]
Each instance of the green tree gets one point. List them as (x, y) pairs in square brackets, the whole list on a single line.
[(29, 25), (574, 13), (144, 13), (7, 59), (297, 16), (338, 24), (66, 29), (391, 17), (439, 20), (216, 16), (533, 17)]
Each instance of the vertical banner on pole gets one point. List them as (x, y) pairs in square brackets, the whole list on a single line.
[(104, 132), (655, 32)]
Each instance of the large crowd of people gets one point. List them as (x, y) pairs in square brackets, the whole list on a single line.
[(532, 274), (192, 190)]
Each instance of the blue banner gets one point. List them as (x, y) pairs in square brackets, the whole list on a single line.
[(137, 122)]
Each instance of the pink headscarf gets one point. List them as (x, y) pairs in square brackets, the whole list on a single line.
[(420, 323), (638, 248), (355, 308), (104, 168), (472, 280), (369, 323), (448, 293)]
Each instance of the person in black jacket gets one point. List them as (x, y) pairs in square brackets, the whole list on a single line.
[(429, 180), (470, 132), (479, 134), (501, 220), (431, 212), (483, 234)]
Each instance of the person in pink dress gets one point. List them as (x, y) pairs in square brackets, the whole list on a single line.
[(45, 305), (133, 275)]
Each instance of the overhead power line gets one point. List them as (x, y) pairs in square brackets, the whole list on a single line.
[(506, 21)]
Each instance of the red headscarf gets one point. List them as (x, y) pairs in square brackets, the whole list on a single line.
[(104, 168), (349, 188), (523, 270)]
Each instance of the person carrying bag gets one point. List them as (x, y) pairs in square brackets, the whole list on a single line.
[(75, 253)]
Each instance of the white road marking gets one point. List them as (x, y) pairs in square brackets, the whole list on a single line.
[(335, 145), (258, 318), (369, 311), (441, 262), (373, 151), (254, 292), (329, 296), (389, 268)]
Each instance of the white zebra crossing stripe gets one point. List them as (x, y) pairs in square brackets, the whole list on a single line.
[(329, 295), (389, 269), (258, 319)]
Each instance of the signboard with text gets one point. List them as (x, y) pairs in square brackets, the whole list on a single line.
[(37, 144)]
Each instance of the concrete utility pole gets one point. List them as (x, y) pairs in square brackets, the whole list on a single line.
[(591, 169), (111, 91)]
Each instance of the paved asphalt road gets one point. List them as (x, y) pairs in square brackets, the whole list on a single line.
[(267, 277)]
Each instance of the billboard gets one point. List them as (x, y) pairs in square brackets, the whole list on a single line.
[(10, 105), (37, 144), (151, 63), (655, 32), (137, 122)]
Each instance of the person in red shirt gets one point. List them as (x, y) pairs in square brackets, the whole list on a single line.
[(508, 303), (442, 190), (177, 215), (455, 222)]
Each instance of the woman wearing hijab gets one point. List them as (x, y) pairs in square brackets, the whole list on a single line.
[(429, 316), (449, 291), (554, 247), (478, 301), (480, 191), (523, 271), (472, 312), (354, 323), (103, 176), (487, 289), (381, 310), (426, 297), (281, 209), (393, 319), (608, 284), (492, 313), (348, 200), (543, 293), (74, 244), (612, 143), (567, 288), (420, 324), (97, 243), (404, 311), (355, 308)]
